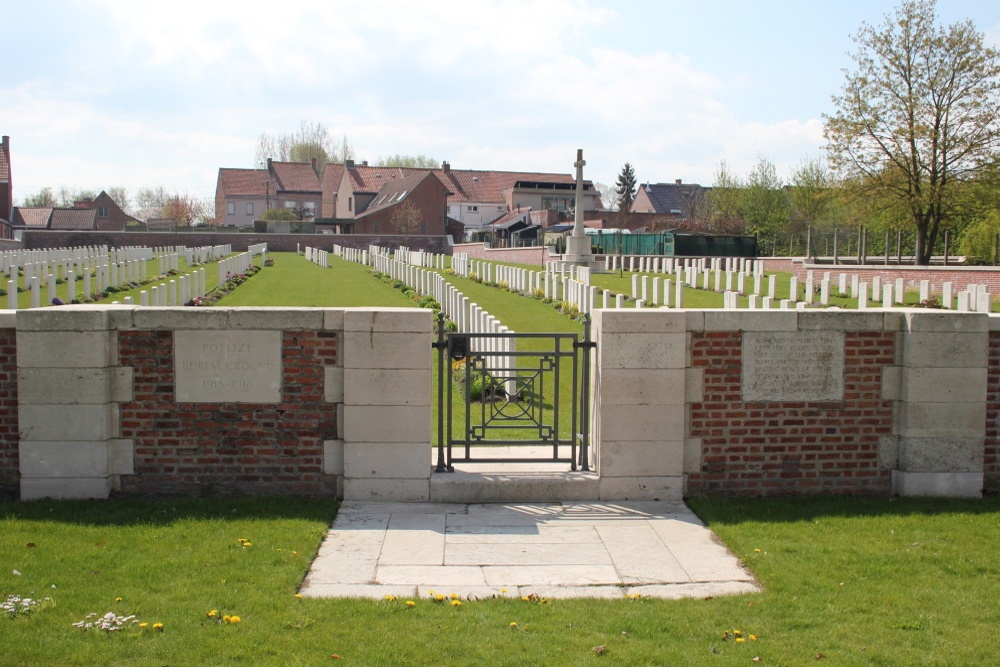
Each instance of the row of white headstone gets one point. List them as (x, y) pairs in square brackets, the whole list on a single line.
[(469, 317), (654, 264)]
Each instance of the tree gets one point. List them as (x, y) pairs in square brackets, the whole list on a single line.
[(765, 203), (312, 140), (119, 195), (919, 116), (182, 210), (410, 161), (149, 203), (282, 214), (406, 218), (625, 189), (810, 195), (609, 196), (42, 199), (726, 201)]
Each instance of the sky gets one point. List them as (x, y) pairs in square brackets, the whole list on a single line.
[(102, 93)]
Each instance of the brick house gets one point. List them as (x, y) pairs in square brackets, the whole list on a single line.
[(244, 195), (672, 203), (109, 217), (415, 204), (6, 190), (477, 197)]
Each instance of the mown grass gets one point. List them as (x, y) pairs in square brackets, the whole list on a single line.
[(855, 581)]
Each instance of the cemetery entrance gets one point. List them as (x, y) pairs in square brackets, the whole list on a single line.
[(513, 397)]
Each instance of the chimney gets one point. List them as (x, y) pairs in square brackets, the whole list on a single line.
[(677, 182), (312, 161), (364, 163), (349, 164), (446, 167), (269, 165)]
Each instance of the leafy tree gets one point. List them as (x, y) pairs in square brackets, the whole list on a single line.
[(625, 189), (765, 202), (282, 214), (182, 210), (411, 161), (42, 199), (811, 194), (919, 116), (726, 201)]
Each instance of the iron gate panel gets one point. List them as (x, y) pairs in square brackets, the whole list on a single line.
[(520, 398)]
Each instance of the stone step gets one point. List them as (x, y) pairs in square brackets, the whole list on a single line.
[(536, 481)]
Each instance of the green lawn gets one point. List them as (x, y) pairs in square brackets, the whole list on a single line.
[(857, 581)]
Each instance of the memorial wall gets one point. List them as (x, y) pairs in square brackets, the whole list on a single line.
[(97, 401)]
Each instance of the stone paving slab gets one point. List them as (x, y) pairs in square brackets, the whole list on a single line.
[(557, 550)]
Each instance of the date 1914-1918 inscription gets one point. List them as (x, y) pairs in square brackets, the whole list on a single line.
[(236, 367)]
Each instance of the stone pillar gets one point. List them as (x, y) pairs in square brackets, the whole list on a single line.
[(942, 420), (387, 404), (639, 403), (69, 388)]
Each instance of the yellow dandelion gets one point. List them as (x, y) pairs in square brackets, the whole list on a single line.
[(525, 598), (756, 551), (430, 592), (439, 597), (737, 633), (753, 638), (411, 603), (158, 626), (295, 553), (144, 625), (225, 619), (456, 603), (213, 613), (454, 596), (740, 640), (503, 590), (235, 619), (118, 599), (513, 624), (390, 598), (298, 595)]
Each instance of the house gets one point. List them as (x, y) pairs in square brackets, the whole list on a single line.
[(109, 216), (244, 195), (6, 190), (414, 204), (477, 197), (677, 200)]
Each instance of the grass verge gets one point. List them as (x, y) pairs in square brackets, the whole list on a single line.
[(857, 581)]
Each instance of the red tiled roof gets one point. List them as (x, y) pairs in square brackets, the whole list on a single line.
[(466, 185), (295, 176), (244, 182), (73, 218), (31, 216), (395, 191)]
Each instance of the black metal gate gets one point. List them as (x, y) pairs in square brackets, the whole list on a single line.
[(490, 393)]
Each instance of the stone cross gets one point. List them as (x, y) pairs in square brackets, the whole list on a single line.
[(578, 213)]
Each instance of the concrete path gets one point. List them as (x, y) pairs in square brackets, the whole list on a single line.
[(555, 550)]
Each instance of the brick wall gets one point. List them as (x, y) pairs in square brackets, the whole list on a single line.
[(537, 255), (991, 461), (225, 448), (9, 460), (961, 277), (36, 239), (754, 449)]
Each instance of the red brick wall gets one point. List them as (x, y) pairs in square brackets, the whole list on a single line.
[(991, 462), (937, 275), (9, 461), (751, 449), (537, 255), (37, 239), (227, 448)]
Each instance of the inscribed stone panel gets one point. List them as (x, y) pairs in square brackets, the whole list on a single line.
[(799, 366), (230, 366)]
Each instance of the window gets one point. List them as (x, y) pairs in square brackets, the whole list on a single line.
[(231, 208), (249, 208), (472, 209), (103, 211), (289, 204), (310, 207), (350, 203)]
